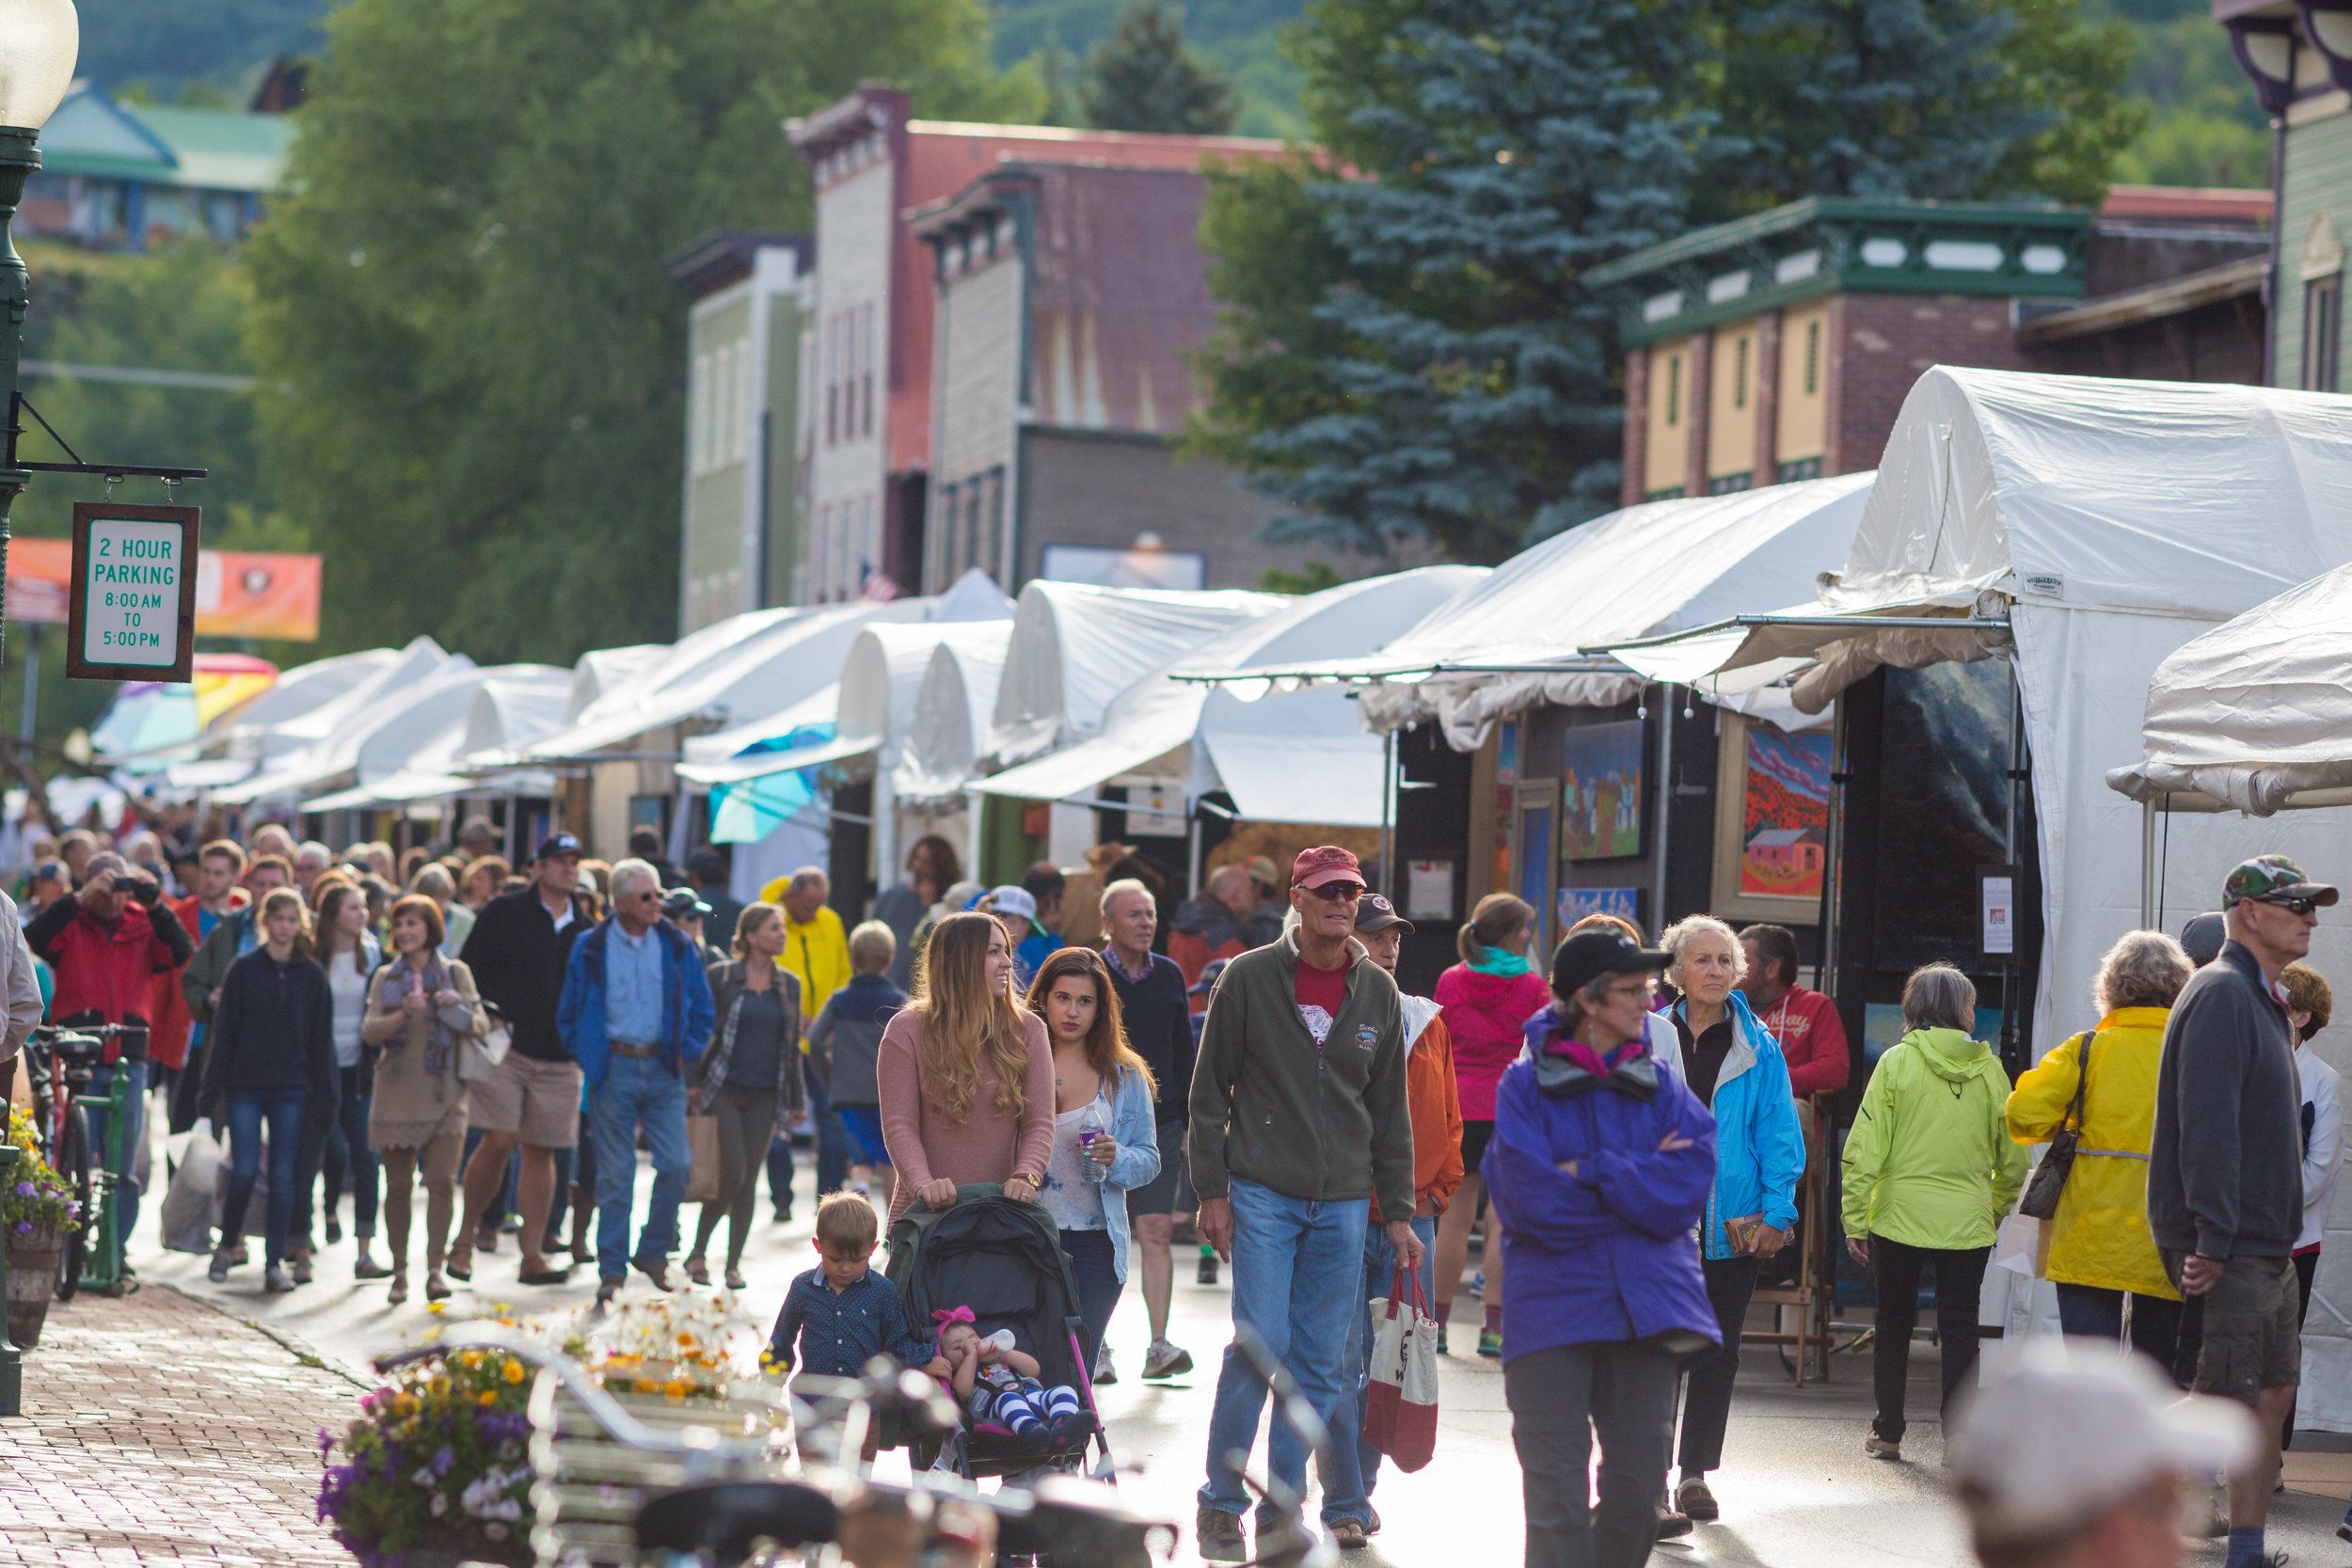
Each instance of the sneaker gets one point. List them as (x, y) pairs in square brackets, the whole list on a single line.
[(1490, 1343), (1207, 1274), (368, 1268), (1105, 1374), (1883, 1448), (1692, 1498), (1478, 1285), (222, 1261), (1165, 1360), (275, 1282), (1441, 1328), (301, 1269), (1217, 1534)]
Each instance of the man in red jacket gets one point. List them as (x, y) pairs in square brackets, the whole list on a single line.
[(106, 947), (1805, 1022)]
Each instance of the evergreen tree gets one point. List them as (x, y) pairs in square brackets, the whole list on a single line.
[(1143, 78), (462, 287)]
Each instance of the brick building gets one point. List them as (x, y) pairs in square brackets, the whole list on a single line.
[(1780, 346), (871, 419)]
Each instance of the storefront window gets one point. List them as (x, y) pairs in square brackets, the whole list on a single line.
[(1942, 809)]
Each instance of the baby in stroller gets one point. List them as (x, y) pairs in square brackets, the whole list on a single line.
[(995, 1383)]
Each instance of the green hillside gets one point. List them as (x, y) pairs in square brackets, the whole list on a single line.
[(1238, 35), (168, 44)]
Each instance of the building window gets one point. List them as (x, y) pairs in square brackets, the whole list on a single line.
[(994, 494), (1728, 484), (1674, 390), (1672, 492), (1812, 357), (2323, 331), (1802, 468), (832, 382), (865, 373), (1740, 374), (975, 535)]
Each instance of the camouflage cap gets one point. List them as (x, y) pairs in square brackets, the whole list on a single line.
[(2273, 880)]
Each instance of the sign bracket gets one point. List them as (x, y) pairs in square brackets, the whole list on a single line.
[(112, 471)]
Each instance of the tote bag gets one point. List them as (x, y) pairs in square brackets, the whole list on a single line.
[(1400, 1404), (702, 1138)]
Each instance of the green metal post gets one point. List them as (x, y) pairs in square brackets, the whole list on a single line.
[(12, 1364), (18, 158)]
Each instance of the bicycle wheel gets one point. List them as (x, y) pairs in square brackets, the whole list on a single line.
[(74, 1166)]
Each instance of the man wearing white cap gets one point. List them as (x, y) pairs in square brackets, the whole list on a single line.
[(2071, 1456)]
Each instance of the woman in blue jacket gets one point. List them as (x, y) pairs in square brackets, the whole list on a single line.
[(1106, 1139), (1599, 1165), (1734, 1066)]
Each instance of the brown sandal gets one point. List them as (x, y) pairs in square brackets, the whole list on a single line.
[(698, 1269)]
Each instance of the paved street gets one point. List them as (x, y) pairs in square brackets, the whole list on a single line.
[(1796, 1488)]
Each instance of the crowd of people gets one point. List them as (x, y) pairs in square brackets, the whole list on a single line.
[(365, 1024)]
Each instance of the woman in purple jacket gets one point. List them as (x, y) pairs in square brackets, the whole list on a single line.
[(1598, 1169)]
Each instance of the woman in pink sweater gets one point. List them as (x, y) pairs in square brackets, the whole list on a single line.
[(1486, 1001), (965, 1073)]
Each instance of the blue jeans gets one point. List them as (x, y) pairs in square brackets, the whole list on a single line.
[(1098, 1286), (1349, 1464), (126, 1201), (833, 1140), (638, 1093), (1297, 1269), (247, 1111), (351, 1162)]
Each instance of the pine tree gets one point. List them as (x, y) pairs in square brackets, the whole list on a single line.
[(1143, 78)]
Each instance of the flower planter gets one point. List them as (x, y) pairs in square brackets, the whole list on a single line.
[(32, 1283)]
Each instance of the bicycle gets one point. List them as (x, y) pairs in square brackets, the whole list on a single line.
[(60, 1064)]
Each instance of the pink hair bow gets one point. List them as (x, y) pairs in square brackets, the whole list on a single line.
[(945, 1318)]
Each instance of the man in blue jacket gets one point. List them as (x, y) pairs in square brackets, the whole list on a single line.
[(636, 1009)]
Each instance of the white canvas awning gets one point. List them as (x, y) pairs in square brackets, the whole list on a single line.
[(1076, 646), (315, 748), (952, 708), (284, 718), (510, 706), (1303, 756), (1527, 634)]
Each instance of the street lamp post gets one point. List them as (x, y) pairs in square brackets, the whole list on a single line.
[(39, 41)]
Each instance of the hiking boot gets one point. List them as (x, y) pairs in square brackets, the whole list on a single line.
[(1692, 1498), (1165, 1360), (1217, 1534)]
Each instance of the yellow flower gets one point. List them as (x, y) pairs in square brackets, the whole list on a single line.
[(488, 1397), (678, 1389), (514, 1371), (437, 1307), (469, 1359)]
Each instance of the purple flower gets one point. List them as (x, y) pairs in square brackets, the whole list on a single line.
[(22, 1225), (444, 1461), (25, 1188)]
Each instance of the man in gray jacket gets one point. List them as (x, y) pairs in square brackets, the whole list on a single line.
[(1298, 1115), (2225, 1180)]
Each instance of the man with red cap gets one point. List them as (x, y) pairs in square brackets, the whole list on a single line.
[(1299, 1115)]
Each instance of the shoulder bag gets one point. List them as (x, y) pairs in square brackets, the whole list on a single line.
[(2049, 1177)]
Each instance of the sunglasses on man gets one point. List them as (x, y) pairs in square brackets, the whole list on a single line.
[(1334, 893), (2297, 907)]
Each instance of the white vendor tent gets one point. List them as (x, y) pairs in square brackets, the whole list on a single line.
[(1301, 756), (599, 669), (269, 725), (949, 727), (416, 757), (1075, 647), (314, 748), (1525, 634)]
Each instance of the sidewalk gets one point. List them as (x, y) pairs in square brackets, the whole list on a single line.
[(157, 1429)]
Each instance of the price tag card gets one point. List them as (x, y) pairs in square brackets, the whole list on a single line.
[(133, 609)]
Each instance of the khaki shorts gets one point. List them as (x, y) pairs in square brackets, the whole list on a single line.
[(537, 1100), (2252, 1338)]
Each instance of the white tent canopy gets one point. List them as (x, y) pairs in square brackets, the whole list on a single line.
[(1657, 567), (952, 708), (324, 742), (1303, 756), (415, 757), (2255, 715), (599, 669), (1075, 647), (273, 723)]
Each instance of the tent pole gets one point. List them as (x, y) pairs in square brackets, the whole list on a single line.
[(1666, 802), (2147, 865), (1192, 854), (1388, 815)]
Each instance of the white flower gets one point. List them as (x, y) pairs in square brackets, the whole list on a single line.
[(440, 1504)]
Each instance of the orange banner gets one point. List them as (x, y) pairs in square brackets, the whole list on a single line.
[(238, 592)]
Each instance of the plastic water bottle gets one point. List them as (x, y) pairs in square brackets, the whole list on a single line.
[(1090, 1129)]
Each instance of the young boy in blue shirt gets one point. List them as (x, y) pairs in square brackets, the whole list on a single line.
[(841, 1312)]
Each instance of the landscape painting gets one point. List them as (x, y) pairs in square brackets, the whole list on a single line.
[(1784, 813)]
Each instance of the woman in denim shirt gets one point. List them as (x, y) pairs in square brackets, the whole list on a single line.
[(1106, 1139)]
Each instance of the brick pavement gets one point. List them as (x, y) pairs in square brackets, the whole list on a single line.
[(158, 1430)]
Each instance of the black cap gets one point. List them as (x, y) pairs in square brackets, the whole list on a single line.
[(679, 901), (1375, 913), (1589, 955), (558, 843), (2202, 938)]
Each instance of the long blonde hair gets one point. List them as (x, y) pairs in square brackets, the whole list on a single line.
[(965, 1021)]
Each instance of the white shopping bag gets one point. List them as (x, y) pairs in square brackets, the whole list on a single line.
[(188, 1201), (1400, 1403)]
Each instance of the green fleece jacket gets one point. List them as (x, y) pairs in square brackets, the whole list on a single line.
[(1929, 1162), (1320, 1124)]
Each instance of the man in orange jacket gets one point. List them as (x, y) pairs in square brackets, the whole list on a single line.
[(1350, 1464)]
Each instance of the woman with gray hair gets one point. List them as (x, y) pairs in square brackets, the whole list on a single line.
[(2103, 1083), (1930, 1171)]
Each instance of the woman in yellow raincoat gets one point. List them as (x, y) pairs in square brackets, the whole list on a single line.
[(2096, 1248)]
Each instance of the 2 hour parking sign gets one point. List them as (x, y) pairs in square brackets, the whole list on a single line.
[(133, 615)]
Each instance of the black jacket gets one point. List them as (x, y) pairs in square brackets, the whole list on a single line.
[(274, 1029), (517, 958), (1157, 1014), (2225, 1171)]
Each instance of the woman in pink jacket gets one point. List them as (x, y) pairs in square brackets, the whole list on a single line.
[(1487, 1000)]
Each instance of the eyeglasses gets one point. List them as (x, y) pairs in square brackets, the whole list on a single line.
[(648, 895), (2297, 907), (1639, 989), (1338, 892)]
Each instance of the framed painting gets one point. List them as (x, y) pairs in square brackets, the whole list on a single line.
[(1600, 791), (1771, 823)]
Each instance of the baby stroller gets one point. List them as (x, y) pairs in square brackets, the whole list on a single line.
[(1002, 1259)]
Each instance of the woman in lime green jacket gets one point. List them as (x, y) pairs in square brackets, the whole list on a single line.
[(1930, 1171), (2096, 1248)]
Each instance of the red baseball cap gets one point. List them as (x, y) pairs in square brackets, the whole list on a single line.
[(1325, 863)]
